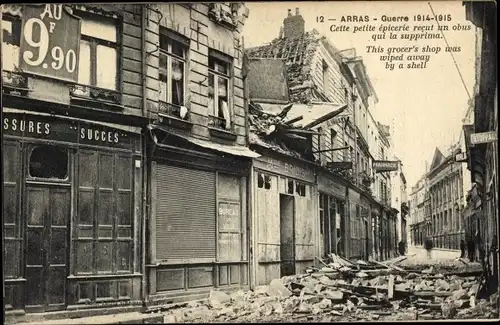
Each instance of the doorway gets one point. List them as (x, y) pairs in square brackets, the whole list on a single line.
[(287, 234), (47, 213), (367, 243)]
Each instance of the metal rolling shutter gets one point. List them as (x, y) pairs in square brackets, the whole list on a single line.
[(185, 213)]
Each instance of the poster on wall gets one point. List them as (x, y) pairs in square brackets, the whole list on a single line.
[(50, 42)]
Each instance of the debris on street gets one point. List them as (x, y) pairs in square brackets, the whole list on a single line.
[(340, 289)]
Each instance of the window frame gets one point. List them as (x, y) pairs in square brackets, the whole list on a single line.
[(95, 42), (13, 20), (229, 63), (184, 45), (30, 177)]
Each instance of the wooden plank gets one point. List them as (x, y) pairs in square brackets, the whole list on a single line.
[(390, 288)]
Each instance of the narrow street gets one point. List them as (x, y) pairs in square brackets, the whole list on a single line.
[(405, 288), (438, 256), (183, 162)]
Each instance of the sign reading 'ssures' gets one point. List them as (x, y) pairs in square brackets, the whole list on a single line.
[(50, 42)]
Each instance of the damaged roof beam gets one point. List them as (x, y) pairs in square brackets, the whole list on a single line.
[(326, 117), (329, 150), (293, 120)]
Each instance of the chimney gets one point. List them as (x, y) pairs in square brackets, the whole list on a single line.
[(293, 26)]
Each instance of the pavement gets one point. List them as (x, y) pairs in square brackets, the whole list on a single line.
[(437, 255)]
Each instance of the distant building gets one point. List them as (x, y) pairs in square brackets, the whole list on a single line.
[(447, 195)]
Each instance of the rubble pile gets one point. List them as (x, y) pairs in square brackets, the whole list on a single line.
[(344, 289)]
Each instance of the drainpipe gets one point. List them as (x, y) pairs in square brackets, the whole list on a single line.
[(144, 18), (145, 169), (3, 273)]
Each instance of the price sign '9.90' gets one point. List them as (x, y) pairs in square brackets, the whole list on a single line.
[(50, 42)]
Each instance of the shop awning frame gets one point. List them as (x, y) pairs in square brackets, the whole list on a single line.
[(126, 128), (229, 149)]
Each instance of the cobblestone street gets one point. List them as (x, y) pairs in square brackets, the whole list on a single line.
[(437, 255)]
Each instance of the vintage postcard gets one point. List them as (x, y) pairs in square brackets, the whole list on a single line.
[(305, 161)]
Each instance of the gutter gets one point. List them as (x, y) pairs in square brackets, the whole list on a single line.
[(144, 57), (145, 169)]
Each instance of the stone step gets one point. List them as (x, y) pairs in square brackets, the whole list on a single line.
[(121, 318)]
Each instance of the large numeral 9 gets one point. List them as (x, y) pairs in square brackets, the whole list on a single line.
[(42, 44)]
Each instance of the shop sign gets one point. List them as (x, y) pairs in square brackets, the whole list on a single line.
[(284, 168), (329, 186), (50, 42), (385, 166), (484, 137), (461, 157), (51, 128), (229, 216), (342, 165)]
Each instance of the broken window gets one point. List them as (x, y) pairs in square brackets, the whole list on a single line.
[(11, 40), (263, 181), (290, 189), (172, 69), (219, 75), (326, 78), (267, 182), (300, 189), (260, 180), (48, 162), (321, 213), (98, 60), (333, 135)]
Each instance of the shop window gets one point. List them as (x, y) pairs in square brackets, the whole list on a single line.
[(11, 40), (264, 181), (48, 162), (300, 189), (99, 52), (267, 182), (260, 180), (219, 77), (321, 212), (290, 189), (172, 68)]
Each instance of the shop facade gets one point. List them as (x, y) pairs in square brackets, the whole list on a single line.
[(284, 217), (197, 230), (332, 214), (376, 231), (72, 202)]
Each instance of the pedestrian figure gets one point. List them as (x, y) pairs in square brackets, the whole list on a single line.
[(471, 249), (462, 248), (401, 248), (428, 246)]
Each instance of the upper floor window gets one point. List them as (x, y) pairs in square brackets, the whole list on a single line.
[(333, 137), (219, 78), (99, 48), (11, 41), (326, 77), (173, 52)]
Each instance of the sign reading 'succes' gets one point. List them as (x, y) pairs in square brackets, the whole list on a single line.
[(50, 41)]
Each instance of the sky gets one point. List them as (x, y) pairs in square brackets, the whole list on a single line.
[(425, 107)]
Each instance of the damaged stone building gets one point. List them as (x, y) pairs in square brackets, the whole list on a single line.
[(317, 102)]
